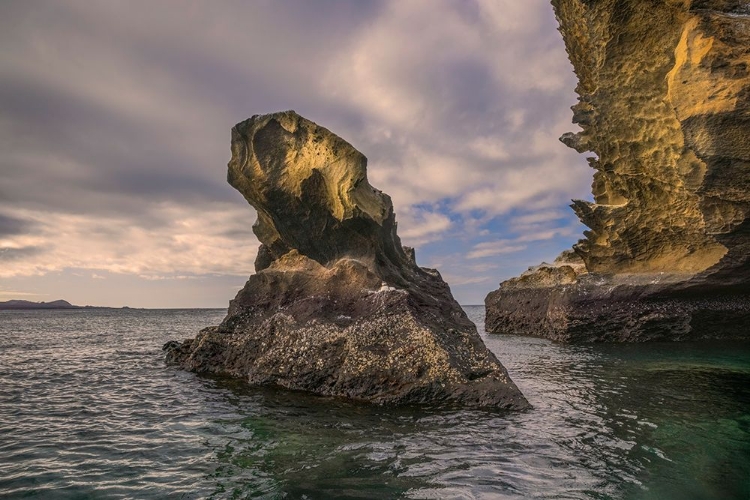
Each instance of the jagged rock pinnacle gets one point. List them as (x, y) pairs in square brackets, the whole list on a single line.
[(337, 306)]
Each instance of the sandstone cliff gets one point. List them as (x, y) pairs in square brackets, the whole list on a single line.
[(337, 306), (664, 105)]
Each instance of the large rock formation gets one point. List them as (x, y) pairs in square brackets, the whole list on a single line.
[(337, 307), (664, 103)]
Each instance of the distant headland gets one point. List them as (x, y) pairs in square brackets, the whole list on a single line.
[(55, 304)]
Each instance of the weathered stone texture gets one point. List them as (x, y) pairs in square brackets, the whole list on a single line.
[(664, 103), (337, 306)]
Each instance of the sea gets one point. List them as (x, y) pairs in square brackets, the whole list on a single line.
[(89, 410)]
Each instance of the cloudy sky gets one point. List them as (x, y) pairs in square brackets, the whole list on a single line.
[(115, 121)]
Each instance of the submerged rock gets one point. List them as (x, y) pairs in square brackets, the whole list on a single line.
[(664, 103), (337, 306)]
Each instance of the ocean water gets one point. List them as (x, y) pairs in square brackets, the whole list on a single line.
[(89, 410)]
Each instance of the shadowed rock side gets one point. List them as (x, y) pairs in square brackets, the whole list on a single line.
[(337, 306), (664, 103)]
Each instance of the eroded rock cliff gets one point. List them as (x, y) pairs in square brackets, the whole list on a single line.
[(337, 306), (664, 104)]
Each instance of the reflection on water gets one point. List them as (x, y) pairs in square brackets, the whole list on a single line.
[(88, 410)]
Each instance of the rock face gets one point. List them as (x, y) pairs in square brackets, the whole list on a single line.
[(664, 103), (337, 306)]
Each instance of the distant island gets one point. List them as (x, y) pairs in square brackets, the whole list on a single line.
[(55, 304)]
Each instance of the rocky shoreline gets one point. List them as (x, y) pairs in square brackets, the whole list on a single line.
[(612, 309)]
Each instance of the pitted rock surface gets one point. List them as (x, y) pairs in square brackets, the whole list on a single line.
[(664, 104)]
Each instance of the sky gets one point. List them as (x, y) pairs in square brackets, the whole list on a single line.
[(115, 121)]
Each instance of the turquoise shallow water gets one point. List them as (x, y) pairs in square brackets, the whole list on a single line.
[(88, 410)]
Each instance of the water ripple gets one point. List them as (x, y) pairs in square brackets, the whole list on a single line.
[(88, 410)]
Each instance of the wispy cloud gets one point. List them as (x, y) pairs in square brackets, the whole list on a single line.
[(499, 247), (188, 241), (494, 248), (421, 226), (457, 280), (14, 294)]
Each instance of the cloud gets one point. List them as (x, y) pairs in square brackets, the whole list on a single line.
[(16, 253), (193, 241), (12, 225), (499, 247), (453, 115), (15, 294), (115, 120), (533, 219), (463, 281), (421, 226), (494, 248)]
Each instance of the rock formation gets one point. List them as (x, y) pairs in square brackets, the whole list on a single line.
[(337, 306), (664, 103)]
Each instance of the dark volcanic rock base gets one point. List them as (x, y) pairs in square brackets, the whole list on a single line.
[(588, 311), (340, 332)]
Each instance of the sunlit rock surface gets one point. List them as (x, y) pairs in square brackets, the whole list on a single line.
[(337, 306), (664, 105)]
